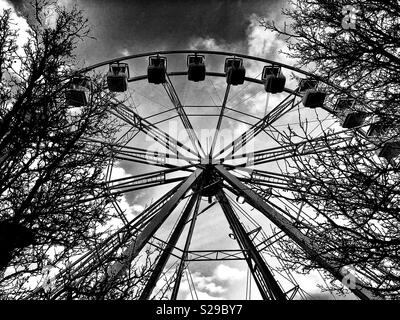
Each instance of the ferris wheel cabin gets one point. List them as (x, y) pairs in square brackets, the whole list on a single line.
[(196, 67), (273, 79), (78, 91), (312, 97), (307, 84), (234, 71), (117, 77), (157, 69), (389, 150), (347, 113), (377, 128)]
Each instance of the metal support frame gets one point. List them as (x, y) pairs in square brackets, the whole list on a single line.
[(228, 87), (266, 283), (145, 180), (102, 252), (298, 237), (282, 108), (137, 244), (129, 116), (303, 148), (162, 260), (172, 94), (139, 155), (185, 251)]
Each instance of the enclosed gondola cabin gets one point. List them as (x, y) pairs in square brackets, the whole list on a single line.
[(390, 150), (234, 71), (349, 116), (78, 91), (376, 129), (156, 71), (307, 84), (273, 79), (117, 77), (354, 119), (196, 67), (313, 99)]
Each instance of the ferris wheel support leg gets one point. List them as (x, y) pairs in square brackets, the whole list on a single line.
[(266, 283), (181, 267), (168, 249), (137, 244), (298, 237)]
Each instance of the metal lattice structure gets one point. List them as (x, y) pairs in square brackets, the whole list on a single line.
[(211, 177)]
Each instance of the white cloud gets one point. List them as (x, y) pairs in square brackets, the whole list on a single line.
[(19, 23), (130, 210), (223, 283), (211, 44), (125, 52), (261, 42), (226, 273)]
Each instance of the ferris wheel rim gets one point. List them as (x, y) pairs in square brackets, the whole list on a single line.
[(103, 63)]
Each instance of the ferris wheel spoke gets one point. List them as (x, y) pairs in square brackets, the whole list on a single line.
[(132, 118), (139, 155), (273, 178), (289, 149), (221, 114), (304, 242), (283, 107), (141, 181), (173, 96)]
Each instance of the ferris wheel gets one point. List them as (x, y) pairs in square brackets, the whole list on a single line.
[(207, 138)]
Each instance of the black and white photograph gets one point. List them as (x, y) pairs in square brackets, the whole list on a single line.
[(218, 151)]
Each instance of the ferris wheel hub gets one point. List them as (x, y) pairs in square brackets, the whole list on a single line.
[(211, 161)]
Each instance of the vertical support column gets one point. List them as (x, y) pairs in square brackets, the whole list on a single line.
[(295, 234), (266, 283), (168, 249), (185, 250), (142, 239)]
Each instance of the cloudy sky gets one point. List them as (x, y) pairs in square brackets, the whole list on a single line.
[(121, 28)]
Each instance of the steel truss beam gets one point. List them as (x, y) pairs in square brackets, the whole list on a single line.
[(145, 235), (129, 116), (107, 247), (266, 283), (293, 232), (221, 114), (163, 258), (214, 255), (275, 180), (303, 148), (145, 180), (172, 94), (203, 255), (155, 158), (282, 108)]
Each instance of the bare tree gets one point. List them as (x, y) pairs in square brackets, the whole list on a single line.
[(354, 194), (48, 172)]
